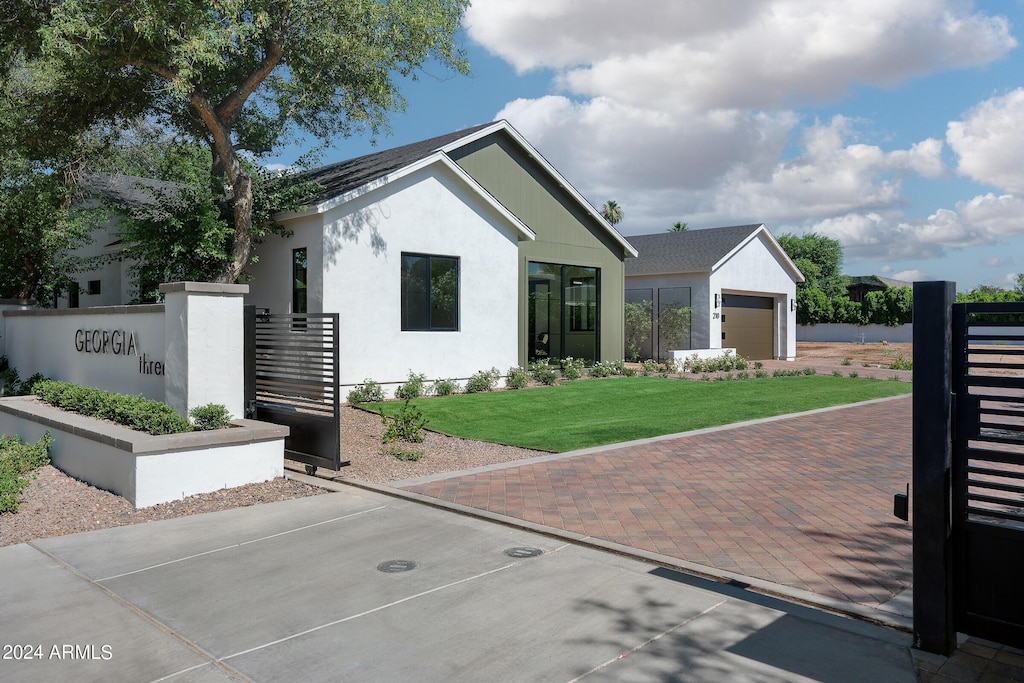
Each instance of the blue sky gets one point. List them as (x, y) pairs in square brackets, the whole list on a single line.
[(894, 126)]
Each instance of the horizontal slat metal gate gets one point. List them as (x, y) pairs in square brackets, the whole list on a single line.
[(292, 379), (988, 470)]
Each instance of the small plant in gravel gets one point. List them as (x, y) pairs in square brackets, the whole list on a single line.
[(414, 387), (865, 365), (485, 380), (901, 363), (17, 463), (367, 392), (894, 378), (402, 453), (445, 387), (542, 372), (406, 425), (705, 377), (836, 373), (648, 367), (854, 374), (742, 374), (809, 371), (758, 365), (517, 378), (760, 373), (846, 361), (572, 368), (210, 416)]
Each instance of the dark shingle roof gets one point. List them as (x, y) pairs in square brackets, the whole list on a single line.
[(337, 179), (689, 251)]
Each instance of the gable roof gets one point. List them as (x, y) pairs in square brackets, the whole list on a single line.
[(377, 168), (699, 251), (344, 176)]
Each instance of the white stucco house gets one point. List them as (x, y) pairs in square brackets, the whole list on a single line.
[(445, 257), (738, 283)]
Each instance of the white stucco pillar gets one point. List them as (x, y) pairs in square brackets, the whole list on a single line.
[(10, 305), (204, 362)]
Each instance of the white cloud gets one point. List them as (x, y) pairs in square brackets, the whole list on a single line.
[(690, 54), (996, 262), (912, 276), (985, 219), (990, 142)]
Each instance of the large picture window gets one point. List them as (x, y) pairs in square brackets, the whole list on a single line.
[(563, 314), (430, 292)]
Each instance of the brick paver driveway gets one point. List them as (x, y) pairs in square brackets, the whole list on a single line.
[(802, 501)]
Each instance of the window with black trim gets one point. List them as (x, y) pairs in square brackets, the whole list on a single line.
[(430, 292), (94, 287)]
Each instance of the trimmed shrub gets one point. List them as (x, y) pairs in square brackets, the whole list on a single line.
[(485, 380), (517, 378), (367, 392), (211, 416), (134, 412), (543, 373), (413, 388), (572, 368), (445, 387)]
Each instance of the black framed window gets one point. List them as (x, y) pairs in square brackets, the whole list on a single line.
[(94, 287), (300, 272), (430, 292)]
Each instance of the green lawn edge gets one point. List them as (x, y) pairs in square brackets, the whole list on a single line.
[(590, 413)]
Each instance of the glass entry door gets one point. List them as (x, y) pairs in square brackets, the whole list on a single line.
[(563, 312)]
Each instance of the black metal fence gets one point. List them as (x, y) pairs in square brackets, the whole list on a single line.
[(968, 483), (292, 378)]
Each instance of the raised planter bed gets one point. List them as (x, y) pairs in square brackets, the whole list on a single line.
[(149, 469)]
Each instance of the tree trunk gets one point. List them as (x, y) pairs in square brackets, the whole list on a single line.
[(241, 245)]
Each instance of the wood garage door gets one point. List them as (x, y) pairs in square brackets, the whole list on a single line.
[(748, 324)]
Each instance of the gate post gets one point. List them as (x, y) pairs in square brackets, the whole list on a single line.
[(934, 630)]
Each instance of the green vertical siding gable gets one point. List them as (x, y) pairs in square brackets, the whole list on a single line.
[(566, 232)]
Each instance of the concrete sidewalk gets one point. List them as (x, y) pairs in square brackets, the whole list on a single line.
[(295, 591)]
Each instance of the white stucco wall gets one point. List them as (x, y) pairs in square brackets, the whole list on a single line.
[(355, 270), (756, 270), (44, 341)]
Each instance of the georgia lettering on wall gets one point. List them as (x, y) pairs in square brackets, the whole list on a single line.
[(118, 343)]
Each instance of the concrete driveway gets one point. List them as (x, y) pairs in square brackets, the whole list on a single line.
[(294, 591)]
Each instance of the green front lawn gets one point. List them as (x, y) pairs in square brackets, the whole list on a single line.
[(596, 412)]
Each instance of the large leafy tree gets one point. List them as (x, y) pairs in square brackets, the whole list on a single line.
[(820, 260), (235, 74)]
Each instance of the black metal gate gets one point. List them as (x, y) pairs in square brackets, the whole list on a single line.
[(988, 470), (292, 379)]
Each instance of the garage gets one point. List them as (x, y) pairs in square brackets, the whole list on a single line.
[(731, 287), (748, 325)]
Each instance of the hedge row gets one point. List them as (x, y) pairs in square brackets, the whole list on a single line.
[(135, 412)]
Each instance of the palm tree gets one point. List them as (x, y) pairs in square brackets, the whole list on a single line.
[(679, 227), (612, 212)]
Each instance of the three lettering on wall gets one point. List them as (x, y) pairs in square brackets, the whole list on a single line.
[(118, 343)]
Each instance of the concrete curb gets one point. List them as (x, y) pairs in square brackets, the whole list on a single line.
[(760, 586)]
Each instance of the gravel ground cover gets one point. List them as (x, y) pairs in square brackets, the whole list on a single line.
[(55, 504)]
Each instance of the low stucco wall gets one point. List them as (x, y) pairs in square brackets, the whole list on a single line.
[(843, 332), (149, 469)]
